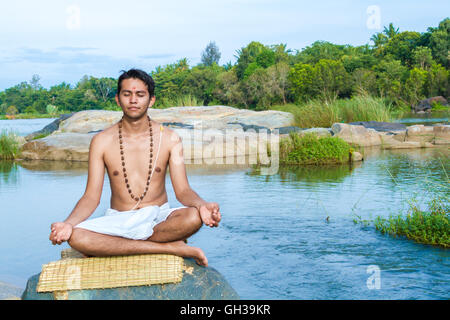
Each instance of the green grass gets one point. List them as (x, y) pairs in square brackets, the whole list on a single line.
[(430, 226), (31, 116), (311, 149), (180, 101), (9, 147), (427, 227), (316, 113)]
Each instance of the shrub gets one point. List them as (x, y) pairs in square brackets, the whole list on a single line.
[(311, 149), (9, 147)]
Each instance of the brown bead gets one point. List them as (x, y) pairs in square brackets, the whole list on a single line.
[(129, 191), (121, 152), (128, 186)]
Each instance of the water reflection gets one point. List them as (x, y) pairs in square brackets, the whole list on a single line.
[(71, 168), (8, 172), (311, 173)]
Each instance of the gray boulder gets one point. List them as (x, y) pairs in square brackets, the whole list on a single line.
[(198, 284), (380, 126), (426, 105), (48, 129)]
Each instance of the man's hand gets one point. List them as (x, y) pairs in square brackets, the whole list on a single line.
[(210, 214), (61, 231)]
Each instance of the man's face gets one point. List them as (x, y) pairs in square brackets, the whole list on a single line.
[(134, 98)]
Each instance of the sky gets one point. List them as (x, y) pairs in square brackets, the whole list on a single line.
[(63, 40)]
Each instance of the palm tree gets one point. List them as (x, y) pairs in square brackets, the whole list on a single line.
[(390, 31)]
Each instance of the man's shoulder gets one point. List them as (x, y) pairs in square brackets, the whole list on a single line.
[(104, 137)]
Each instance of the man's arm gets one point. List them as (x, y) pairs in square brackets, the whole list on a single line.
[(177, 169), (209, 211), (61, 231), (94, 186)]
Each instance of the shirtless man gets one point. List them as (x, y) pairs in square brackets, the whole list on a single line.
[(127, 177)]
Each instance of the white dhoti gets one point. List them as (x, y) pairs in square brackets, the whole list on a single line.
[(133, 224)]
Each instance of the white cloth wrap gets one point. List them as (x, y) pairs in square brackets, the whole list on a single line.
[(133, 224)]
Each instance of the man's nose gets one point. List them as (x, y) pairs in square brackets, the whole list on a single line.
[(133, 98)]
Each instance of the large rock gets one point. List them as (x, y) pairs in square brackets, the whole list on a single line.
[(206, 132), (380, 126), (50, 128), (356, 134), (426, 105), (199, 283), (63, 146), (215, 117)]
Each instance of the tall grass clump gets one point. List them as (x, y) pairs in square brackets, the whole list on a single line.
[(9, 147), (319, 113), (178, 101), (427, 227), (311, 149)]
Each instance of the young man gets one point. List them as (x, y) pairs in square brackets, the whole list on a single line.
[(136, 152)]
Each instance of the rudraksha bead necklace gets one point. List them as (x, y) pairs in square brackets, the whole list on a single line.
[(122, 156)]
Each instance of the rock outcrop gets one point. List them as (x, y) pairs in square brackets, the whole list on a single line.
[(426, 105), (220, 132), (199, 283)]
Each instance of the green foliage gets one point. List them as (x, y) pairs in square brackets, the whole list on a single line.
[(399, 67), (51, 109), (9, 147), (11, 110), (211, 54), (428, 227), (311, 149)]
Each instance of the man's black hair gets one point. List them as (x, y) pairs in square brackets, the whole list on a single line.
[(137, 74)]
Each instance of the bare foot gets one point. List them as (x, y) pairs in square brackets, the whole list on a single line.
[(180, 248)]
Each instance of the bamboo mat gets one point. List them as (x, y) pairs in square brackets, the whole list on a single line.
[(110, 272)]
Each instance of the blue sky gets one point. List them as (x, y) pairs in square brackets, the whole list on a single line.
[(62, 40)]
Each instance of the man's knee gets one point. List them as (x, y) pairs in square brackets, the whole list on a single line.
[(193, 218), (77, 238)]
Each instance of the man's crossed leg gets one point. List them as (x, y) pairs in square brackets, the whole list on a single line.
[(168, 238)]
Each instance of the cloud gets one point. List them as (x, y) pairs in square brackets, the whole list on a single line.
[(157, 56)]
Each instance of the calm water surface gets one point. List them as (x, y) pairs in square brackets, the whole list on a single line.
[(274, 241)]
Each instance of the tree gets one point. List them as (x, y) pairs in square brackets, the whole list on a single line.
[(422, 57), (12, 110), (201, 82), (390, 31), (211, 54), (301, 79), (390, 76), (35, 82), (402, 45), (440, 42), (436, 83), (414, 85)]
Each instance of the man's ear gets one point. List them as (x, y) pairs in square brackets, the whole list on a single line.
[(117, 100), (152, 101)]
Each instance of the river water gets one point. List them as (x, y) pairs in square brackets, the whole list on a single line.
[(275, 241)]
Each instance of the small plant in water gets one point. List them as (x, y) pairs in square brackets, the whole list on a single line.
[(428, 227), (9, 147)]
